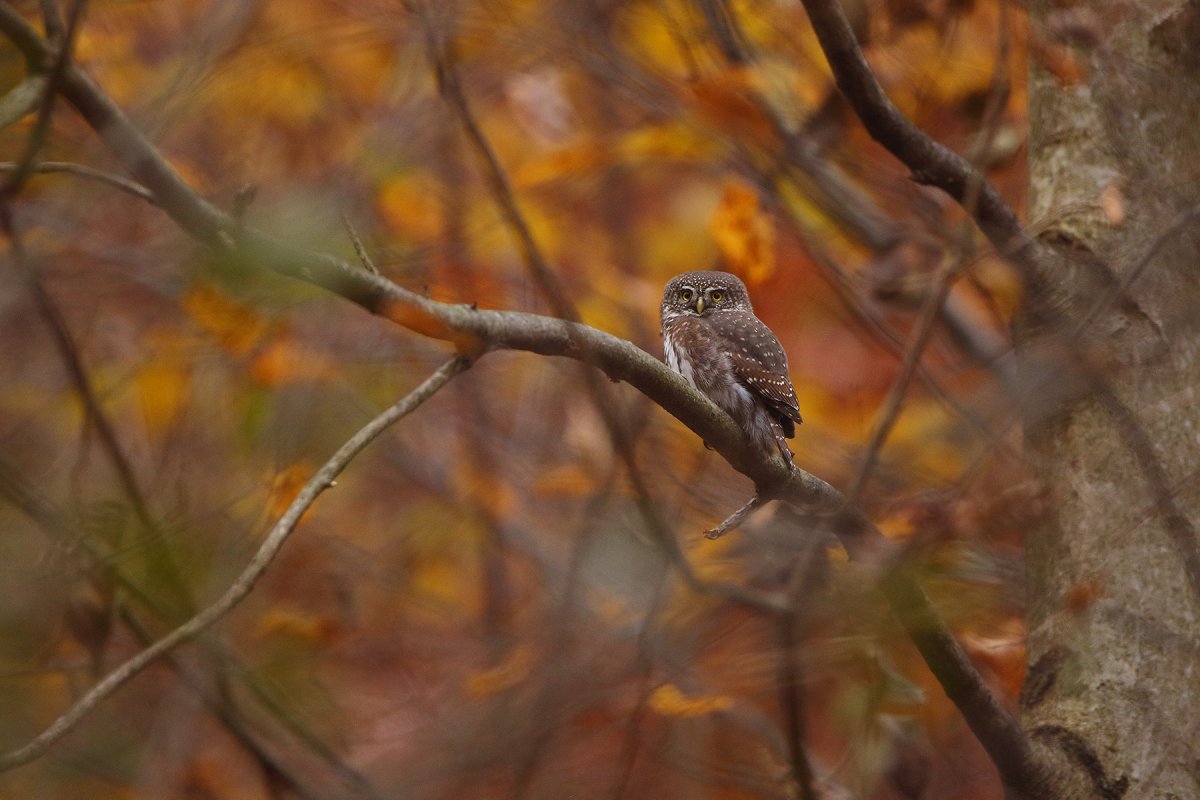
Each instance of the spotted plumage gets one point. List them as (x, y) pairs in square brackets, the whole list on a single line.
[(714, 340)]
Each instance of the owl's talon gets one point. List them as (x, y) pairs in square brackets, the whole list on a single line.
[(708, 446)]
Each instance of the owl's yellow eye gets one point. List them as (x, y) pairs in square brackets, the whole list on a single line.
[(717, 295), (686, 295)]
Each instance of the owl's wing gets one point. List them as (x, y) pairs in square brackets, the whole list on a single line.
[(760, 364)]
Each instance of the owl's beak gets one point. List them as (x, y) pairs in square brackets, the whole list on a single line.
[(699, 305)]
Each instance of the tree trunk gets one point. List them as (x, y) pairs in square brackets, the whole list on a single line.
[(1113, 690)]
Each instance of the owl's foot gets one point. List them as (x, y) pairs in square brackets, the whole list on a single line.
[(788, 457)]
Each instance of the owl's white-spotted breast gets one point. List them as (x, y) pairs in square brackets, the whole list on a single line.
[(713, 339)]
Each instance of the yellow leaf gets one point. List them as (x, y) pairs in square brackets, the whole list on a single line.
[(489, 490), (670, 141), (744, 233), (655, 35), (285, 89), (163, 389), (508, 673), (669, 701), (411, 206)]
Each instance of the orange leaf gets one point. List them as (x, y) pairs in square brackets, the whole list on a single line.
[(293, 625), (744, 233), (411, 206), (284, 361), (235, 325), (669, 701), (508, 673)]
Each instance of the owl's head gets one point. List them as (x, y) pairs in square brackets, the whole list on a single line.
[(702, 293)]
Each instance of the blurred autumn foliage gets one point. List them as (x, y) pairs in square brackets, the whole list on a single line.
[(478, 608)]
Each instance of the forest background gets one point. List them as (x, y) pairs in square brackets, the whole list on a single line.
[(510, 593)]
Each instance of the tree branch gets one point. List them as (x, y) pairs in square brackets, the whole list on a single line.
[(930, 162), (54, 76), (237, 591)]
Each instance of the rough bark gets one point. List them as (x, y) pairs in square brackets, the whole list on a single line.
[(1113, 690)]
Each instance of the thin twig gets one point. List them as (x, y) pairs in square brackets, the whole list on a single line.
[(244, 583), (359, 250), (83, 171), (39, 510), (735, 519), (891, 406)]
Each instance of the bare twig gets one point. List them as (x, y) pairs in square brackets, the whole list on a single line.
[(237, 591), (99, 563), (735, 519), (359, 250), (881, 332), (83, 171), (891, 407)]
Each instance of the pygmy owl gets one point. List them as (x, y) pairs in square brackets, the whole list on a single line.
[(713, 339)]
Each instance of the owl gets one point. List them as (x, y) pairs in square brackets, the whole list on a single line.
[(713, 339)]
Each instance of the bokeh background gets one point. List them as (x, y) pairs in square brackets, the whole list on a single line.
[(478, 609)]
